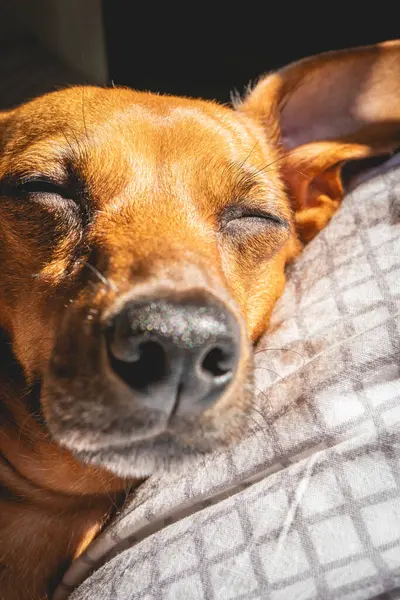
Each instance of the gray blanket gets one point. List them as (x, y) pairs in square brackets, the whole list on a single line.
[(308, 506)]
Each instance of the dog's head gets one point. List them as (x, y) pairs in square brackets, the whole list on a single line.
[(143, 241)]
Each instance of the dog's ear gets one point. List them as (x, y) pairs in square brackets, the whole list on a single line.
[(324, 111), (4, 116)]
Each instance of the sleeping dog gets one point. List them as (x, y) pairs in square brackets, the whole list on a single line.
[(143, 244)]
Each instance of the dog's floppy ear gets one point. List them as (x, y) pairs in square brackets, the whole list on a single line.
[(326, 110), (4, 115)]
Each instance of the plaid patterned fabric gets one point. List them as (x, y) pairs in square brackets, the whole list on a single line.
[(308, 507)]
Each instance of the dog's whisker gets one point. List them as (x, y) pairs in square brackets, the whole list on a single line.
[(80, 152), (104, 482), (248, 156), (68, 142), (270, 370), (266, 399), (267, 167), (282, 350), (21, 431), (107, 282), (255, 409), (83, 113), (258, 425)]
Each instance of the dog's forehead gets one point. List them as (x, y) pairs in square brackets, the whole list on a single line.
[(139, 122)]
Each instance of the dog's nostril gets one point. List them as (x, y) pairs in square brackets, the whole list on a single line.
[(217, 362), (146, 365), (180, 353)]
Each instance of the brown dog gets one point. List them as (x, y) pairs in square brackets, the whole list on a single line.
[(143, 242)]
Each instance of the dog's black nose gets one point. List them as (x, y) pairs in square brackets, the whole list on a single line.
[(184, 352)]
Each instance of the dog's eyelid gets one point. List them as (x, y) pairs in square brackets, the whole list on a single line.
[(267, 216), (36, 184), (237, 212)]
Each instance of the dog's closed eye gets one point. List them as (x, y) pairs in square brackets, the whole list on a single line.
[(234, 216), (40, 186), (26, 187), (49, 193), (255, 233)]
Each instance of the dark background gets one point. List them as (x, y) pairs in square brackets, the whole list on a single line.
[(194, 50)]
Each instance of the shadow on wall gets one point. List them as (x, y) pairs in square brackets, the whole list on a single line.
[(200, 50), (26, 68), (190, 49)]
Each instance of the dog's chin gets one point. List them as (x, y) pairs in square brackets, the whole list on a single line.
[(155, 453), (140, 459), (162, 446)]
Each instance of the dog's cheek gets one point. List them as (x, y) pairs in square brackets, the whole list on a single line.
[(255, 285), (51, 319), (42, 240), (33, 335), (38, 249)]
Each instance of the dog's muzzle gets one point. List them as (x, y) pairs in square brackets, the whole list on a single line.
[(185, 351)]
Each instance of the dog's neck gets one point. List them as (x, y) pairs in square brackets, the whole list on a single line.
[(27, 447), (34, 458), (40, 480), (29, 454)]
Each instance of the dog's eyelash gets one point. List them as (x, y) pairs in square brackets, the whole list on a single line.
[(237, 213), (263, 216), (40, 186), (25, 186)]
